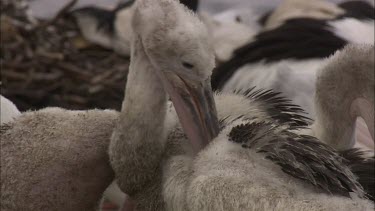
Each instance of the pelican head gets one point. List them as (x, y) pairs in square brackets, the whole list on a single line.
[(179, 49)]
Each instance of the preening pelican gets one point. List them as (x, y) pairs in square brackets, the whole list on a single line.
[(256, 157), (250, 152)]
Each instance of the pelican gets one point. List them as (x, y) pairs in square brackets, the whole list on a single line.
[(53, 156), (251, 153), (278, 58), (252, 59), (55, 159), (111, 28), (286, 58), (285, 76)]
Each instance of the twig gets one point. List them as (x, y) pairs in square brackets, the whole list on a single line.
[(74, 71), (35, 75)]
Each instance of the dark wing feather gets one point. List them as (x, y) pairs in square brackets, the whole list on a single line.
[(363, 167), (302, 38), (302, 157), (191, 4), (358, 10), (279, 108)]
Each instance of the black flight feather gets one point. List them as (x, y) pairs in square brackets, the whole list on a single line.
[(302, 38), (191, 4), (279, 108), (302, 157), (358, 10), (364, 168)]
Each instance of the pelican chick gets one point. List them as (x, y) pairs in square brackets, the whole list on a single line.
[(255, 157)]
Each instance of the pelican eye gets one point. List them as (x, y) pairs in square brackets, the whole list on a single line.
[(187, 65), (238, 19)]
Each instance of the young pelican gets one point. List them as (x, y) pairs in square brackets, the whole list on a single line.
[(255, 162), (255, 158)]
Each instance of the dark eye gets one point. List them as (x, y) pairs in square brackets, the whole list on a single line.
[(238, 19), (187, 65)]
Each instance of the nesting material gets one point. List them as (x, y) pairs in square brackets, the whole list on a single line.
[(47, 63)]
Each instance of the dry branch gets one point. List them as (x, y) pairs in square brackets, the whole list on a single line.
[(47, 63)]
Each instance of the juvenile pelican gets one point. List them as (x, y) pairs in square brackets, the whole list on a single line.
[(255, 158)]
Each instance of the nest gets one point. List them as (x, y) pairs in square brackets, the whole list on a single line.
[(48, 63)]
